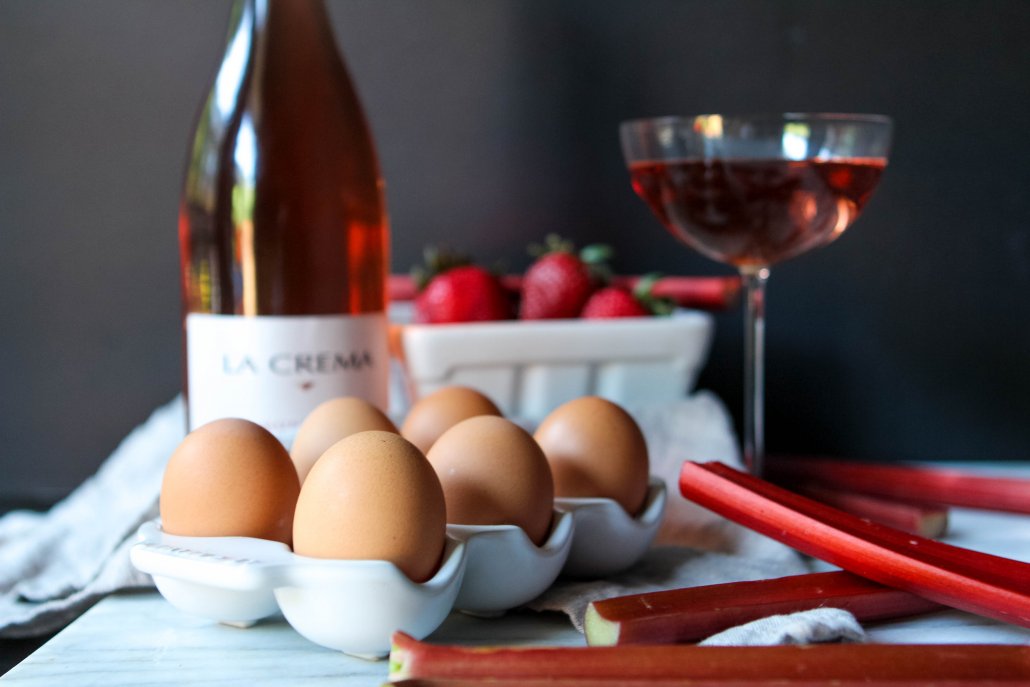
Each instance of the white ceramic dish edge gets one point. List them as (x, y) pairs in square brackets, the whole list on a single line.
[(607, 539), (505, 568), (350, 606)]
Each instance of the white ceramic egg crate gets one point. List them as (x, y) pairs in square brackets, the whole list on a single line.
[(355, 606)]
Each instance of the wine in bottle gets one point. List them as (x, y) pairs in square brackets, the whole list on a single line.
[(282, 229)]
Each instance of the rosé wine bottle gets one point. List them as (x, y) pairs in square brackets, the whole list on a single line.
[(283, 229)]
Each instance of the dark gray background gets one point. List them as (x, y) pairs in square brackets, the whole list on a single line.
[(496, 122)]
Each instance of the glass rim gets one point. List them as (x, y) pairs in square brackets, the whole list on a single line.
[(843, 117)]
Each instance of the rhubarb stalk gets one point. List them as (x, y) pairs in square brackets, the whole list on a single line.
[(926, 521), (607, 682), (916, 484), (980, 583), (816, 664), (693, 613)]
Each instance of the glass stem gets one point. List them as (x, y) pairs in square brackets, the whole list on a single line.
[(754, 368)]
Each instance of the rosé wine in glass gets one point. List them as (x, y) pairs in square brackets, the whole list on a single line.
[(751, 191)]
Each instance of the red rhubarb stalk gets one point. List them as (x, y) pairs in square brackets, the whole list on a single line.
[(703, 293), (926, 521), (710, 682), (816, 664), (928, 485), (693, 613), (592, 681), (713, 682), (980, 583), (400, 287)]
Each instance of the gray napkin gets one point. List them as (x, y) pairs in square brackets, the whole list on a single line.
[(806, 627), (55, 564)]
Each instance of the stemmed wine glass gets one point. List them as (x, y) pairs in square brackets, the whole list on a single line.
[(754, 190)]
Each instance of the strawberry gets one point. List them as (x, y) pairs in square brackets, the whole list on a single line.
[(559, 283), (462, 294), (613, 301), (617, 301)]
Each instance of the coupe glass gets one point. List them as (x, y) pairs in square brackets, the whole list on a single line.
[(751, 191)]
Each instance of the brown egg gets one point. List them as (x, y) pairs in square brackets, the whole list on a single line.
[(230, 477), (373, 496), (434, 414), (493, 473), (596, 449), (331, 421)]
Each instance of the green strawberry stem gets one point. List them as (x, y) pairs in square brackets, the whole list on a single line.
[(596, 256), (643, 291), (436, 261)]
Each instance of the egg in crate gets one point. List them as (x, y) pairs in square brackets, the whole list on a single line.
[(229, 477), (330, 422), (494, 473), (435, 413), (596, 449), (373, 496)]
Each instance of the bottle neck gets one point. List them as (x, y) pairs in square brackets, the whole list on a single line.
[(291, 44), (307, 18)]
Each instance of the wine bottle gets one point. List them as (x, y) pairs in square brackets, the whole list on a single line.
[(283, 232)]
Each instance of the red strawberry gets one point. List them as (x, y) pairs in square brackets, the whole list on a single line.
[(462, 294), (616, 301), (559, 283), (613, 301)]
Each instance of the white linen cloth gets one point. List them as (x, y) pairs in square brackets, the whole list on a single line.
[(806, 627), (54, 564)]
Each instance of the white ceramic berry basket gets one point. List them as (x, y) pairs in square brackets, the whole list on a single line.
[(530, 368)]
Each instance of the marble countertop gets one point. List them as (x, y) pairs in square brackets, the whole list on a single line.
[(139, 639)]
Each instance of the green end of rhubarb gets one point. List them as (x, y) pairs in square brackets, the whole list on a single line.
[(599, 631), (398, 670)]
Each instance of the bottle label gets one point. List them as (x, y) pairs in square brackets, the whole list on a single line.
[(274, 370)]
